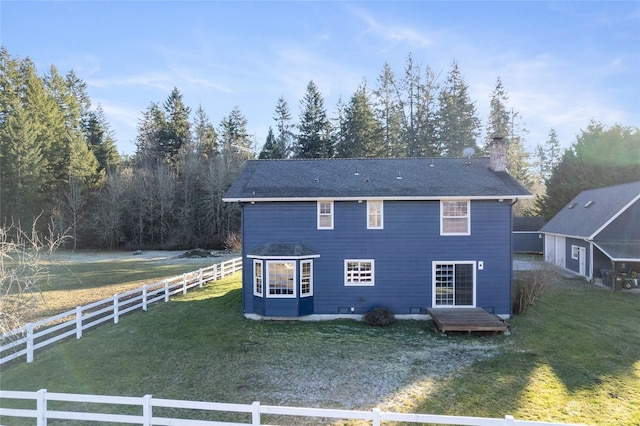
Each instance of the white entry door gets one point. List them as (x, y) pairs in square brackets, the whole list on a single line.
[(560, 250), (549, 248), (582, 261)]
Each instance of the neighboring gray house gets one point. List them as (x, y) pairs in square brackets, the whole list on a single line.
[(599, 229), (526, 234)]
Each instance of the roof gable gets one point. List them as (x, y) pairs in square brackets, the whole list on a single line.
[(592, 210), (383, 178)]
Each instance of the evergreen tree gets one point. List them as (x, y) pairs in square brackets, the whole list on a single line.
[(314, 137), (426, 141), (499, 117), (388, 111), (284, 128), (458, 126), (547, 156), (505, 122), (271, 148), (362, 133), (149, 139), (101, 140), (599, 157), (233, 134), (23, 166), (205, 136), (177, 130)]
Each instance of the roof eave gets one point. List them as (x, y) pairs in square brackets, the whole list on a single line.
[(364, 197)]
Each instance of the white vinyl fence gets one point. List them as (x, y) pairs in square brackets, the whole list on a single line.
[(146, 407), (26, 340)]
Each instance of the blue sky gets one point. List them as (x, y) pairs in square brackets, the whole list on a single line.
[(561, 63)]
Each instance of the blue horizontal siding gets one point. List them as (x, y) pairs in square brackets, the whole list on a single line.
[(403, 252)]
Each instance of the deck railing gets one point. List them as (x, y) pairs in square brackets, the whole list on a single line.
[(145, 411), (26, 340)]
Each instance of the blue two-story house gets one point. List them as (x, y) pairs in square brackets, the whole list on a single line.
[(331, 238)]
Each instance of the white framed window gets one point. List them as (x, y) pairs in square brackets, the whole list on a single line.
[(306, 278), (281, 278), (359, 272), (575, 252), (375, 215), (325, 214), (454, 283), (455, 217), (258, 283)]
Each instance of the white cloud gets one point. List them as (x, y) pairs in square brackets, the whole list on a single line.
[(156, 80), (395, 34)]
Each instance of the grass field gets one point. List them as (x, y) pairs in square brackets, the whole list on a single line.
[(574, 357), (79, 278)]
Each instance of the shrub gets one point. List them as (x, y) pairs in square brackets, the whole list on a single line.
[(379, 317), (195, 253), (233, 242), (530, 287)]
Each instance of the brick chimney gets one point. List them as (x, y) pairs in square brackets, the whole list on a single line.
[(498, 154)]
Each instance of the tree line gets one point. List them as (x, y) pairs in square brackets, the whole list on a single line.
[(58, 156)]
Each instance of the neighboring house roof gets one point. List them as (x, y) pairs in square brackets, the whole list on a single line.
[(389, 178), (592, 210), (527, 223), (621, 251)]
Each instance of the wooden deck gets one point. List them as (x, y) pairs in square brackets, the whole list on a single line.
[(467, 320)]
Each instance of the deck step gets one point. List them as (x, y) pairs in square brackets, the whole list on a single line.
[(467, 320)]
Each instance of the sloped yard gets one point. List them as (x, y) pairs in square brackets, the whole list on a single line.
[(574, 358)]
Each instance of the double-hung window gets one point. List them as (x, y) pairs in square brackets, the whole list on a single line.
[(306, 278), (455, 218), (257, 278), (325, 214), (358, 272), (375, 215)]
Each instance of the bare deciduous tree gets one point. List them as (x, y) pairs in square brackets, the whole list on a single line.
[(22, 272)]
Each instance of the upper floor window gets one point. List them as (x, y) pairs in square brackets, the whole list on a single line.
[(374, 215), (454, 218), (325, 214)]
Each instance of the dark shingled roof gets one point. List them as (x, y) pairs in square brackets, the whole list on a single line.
[(577, 220), (385, 178), (528, 223), (621, 251), (282, 250)]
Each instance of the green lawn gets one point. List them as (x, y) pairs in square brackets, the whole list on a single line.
[(74, 283), (574, 357)]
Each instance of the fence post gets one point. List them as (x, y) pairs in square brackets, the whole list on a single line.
[(509, 420), (184, 283), (144, 298), (376, 417), (116, 309), (41, 408), (147, 413), (200, 278), (215, 272), (78, 322), (255, 413), (30, 342), (166, 290)]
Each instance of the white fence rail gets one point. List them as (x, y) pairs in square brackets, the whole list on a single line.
[(145, 408), (26, 340)]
